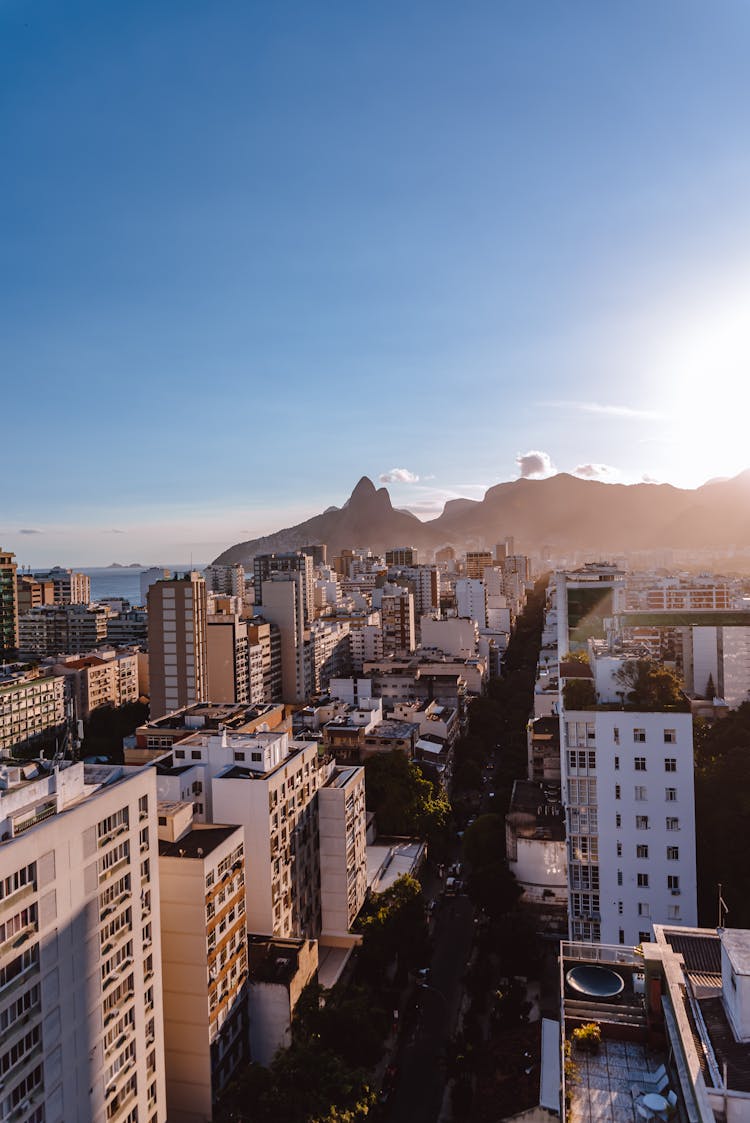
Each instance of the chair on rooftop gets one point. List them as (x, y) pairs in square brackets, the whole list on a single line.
[(644, 1112), (662, 1084), (671, 1102)]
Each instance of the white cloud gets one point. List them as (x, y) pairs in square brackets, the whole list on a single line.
[(398, 476), (535, 465), (608, 408), (596, 472), (649, 480)]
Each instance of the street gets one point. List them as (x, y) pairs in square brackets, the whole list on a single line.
[(419, 1091)]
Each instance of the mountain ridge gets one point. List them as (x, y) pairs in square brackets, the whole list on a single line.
[(562, 511)]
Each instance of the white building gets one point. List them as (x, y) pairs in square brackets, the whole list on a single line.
[(32, 702), (226, 579), (470, 599), (80, 944), (627, 781)]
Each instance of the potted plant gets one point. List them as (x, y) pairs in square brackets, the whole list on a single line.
[(588, 1037)]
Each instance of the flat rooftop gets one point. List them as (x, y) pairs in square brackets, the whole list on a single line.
[(197, 843), (536, 811)]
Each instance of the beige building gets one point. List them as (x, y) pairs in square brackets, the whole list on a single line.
[(342, 826), (70, 587), (33, 593), (101, 678), (227, 658), (32, 702), (265, 635), (80, 984), (477, 561), (157, 737), (204, 959), (177, 643)]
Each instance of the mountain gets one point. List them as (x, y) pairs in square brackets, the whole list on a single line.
[(563, 512)]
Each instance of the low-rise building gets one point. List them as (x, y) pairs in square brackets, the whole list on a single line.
[(535, 847), (279, 972), (156, 737), (54, 629)]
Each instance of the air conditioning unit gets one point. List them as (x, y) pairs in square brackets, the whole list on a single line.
[(676, 892)]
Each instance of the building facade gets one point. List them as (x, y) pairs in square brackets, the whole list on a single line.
[(177, 643)]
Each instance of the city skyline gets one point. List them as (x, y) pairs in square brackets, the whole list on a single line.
[(462, 246)]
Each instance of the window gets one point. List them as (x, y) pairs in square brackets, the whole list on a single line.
[(673, 853), (619, 849), (670, 794), (619, 877), (639, 763), (162, 820), (642, 879), (641, 851), (195, 754), (616, 737), (673, 824), (640, 794), (670, 764), (257, 757), (639, 735), (239, 756), (619, 908), (180, 754), (644, 937), (670, 736), (644, 908), (673, 882), (617, 764), (617, 791), (618, 821), (641, 822), (622, 936), (673, 912)]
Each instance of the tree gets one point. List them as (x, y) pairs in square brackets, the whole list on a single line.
[(579, 694), (484, 841), (649, 686), (404, 801), (395, 930), (494, 889)]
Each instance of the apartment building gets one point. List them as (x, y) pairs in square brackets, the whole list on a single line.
[(177, 643), (204, 959), (295, 563), (265, 635), (33, 593), (62, 629), (627, 783), (342, 826), (268, 784), (227, 658), (100, 678), (470, 600), (69, 586), (80, 943), (330, 652), (158, 736), (226, 579), (8, 605), (283, 605), (402, 556), (32, 703), (585, 598), (396, 607), (476, 561)]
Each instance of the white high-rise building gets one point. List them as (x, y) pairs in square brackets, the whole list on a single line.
[(627, 782), (470, 600), (80, 948)]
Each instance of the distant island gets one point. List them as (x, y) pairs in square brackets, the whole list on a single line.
[(130, 565)]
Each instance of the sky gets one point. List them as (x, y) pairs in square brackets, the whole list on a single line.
[(251, 252)]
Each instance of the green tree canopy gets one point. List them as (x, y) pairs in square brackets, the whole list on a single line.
[(404, 801), (649, 686)]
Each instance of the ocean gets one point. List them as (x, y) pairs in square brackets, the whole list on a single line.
[(126, 583)]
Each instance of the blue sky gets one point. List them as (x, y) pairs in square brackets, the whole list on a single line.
[(251, 252)]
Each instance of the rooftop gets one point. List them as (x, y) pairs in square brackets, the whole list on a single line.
[(197, 843), (536, 811)]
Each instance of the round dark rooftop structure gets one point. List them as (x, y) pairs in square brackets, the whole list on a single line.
[(595, 982)]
